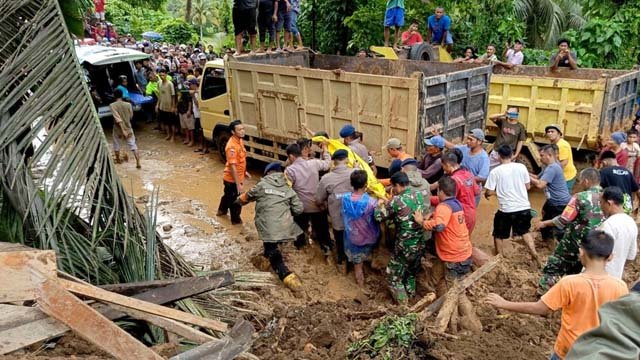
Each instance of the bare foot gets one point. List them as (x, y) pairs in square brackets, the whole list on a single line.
[(185, 142), (173, 139), (125, 157), (291, 48), (190, 144), (236, 54), (260, 50), (251, 53), (168, 137), (269, 51)]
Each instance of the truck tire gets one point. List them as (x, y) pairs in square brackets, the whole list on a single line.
[(422, 51), (221, 142), (527, 161)]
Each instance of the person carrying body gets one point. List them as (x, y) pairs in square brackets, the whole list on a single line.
[(579, 296), (276, 205), (410, 244)]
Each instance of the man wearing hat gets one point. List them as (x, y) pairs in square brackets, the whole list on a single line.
[(514, 56), (431, 164), (333, 186), (565, 157), (352, 140), (417, 183), (474, 157), (398, 155), (510, 132), (276, 204)]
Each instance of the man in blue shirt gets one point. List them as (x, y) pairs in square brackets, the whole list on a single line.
[(124, 82), (438, 26), (474, 157), (552, 181)]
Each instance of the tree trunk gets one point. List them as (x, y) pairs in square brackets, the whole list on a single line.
[(187, 12)]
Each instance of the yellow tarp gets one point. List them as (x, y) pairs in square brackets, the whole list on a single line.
[(373, 185)]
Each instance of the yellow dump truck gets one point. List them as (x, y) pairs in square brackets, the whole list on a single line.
[(279, 96), (588, 104)]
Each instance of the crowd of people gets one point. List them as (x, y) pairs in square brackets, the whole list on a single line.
[(430, 210)]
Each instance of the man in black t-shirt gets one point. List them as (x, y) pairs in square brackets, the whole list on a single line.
[(244, 16), (612, 174)]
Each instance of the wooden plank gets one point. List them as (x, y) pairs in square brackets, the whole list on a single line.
[(238, 340), (173, 326), (462, 286), (15, 274), (180, 287), (89, 324), (145, 306), (15, 315), (45, 329)]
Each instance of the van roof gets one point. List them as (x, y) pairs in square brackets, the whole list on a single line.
[(102, 55)]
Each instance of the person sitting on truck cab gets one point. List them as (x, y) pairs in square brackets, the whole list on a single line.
[(564, 57), (565, 157), (510, 132), (412, 36), (489, 56)]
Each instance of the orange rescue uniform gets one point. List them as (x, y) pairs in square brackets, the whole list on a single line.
[(236, 155)]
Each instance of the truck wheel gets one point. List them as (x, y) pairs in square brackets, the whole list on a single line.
[(221, 143), (528, 162), (422, 51)]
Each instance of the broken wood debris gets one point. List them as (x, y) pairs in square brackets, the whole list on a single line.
[(58, 309)]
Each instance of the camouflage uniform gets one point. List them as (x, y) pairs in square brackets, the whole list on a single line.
[(581, 215), (410, 241)]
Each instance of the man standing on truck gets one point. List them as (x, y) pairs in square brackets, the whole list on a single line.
[(244, 19), (552, 181), (565, 157), (510, 132), (304, 177), (393, 16), (564, 57), (235, 171), (439, 29)]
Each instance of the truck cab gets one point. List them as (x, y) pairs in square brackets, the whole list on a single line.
[(215, 103)]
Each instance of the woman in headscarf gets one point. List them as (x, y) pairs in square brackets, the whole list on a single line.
[(614, 144)]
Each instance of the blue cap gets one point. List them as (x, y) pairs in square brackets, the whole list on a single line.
[(437, 141), (274, 166), (410, 161), (347, 130), (619, 137), (340, 154)]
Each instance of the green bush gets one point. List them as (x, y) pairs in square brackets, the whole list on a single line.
[(177, 31)]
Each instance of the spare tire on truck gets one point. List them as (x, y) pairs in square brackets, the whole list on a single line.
[(422, 51)]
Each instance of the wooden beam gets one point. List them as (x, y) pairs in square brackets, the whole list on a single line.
[(237, 341), (185, 287), (89, 324), (46, 329), (462, 286), (188, 288), (173, 326), (15, 274), (144, 306), (16, 315)]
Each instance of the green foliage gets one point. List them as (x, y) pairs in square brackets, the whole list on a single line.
[(177, 31), (536, 56), (611, 37), (546, 20), (392, 334), (73, 12), (332, 35), (137, 19)]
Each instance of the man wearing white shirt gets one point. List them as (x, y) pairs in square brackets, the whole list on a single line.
[(514, 56), (621, 227)]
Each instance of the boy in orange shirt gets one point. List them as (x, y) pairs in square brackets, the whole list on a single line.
[(453, 245), (579, 296)]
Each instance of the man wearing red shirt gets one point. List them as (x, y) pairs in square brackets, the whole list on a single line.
[(412, 36), (99, 5)]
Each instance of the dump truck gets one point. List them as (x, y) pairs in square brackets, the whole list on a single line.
[(279, 97), (588, 104)]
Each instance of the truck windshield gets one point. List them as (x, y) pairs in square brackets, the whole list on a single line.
[(214, 83)]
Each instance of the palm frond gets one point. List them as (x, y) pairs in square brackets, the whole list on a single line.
[(58, 182)]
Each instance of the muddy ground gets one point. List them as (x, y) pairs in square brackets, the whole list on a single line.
[(327, 317)]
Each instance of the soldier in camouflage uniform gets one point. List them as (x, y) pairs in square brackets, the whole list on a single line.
[(410, 241), (581, 215)]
